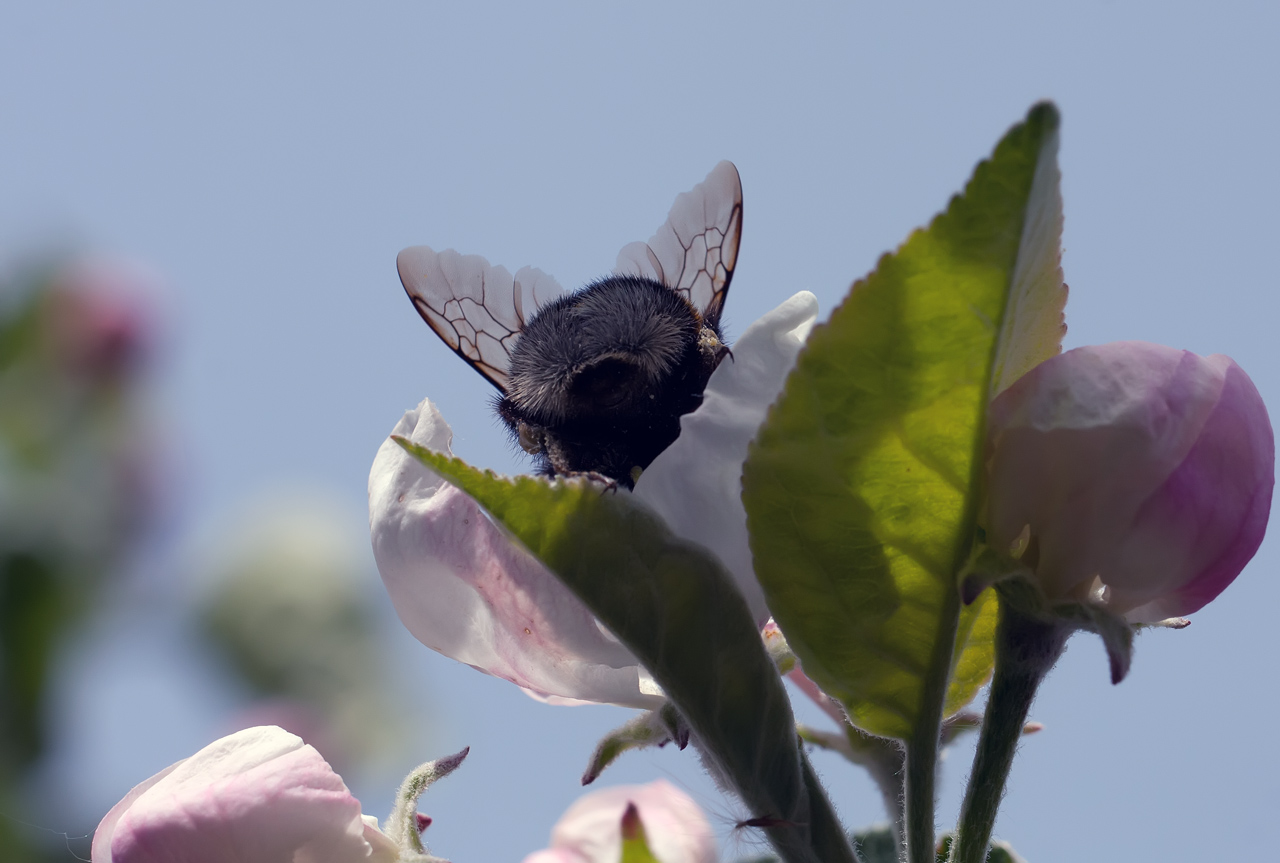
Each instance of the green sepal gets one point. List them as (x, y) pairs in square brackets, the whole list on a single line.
[(864, 486), (651, 728), (1023, 592), (675, 607), (402, 824), (1116, 632), (635, 842)]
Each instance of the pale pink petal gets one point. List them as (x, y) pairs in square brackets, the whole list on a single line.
[(465, 589), (100, 851), (591, 829), (556, 855), (258, 796), (1217, 502)]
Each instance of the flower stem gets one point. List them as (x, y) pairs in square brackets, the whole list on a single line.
[(923, 745), (1026, 649)]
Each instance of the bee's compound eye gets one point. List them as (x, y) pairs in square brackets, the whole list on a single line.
[(530, 438)]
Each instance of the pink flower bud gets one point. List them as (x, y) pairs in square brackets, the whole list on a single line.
[(103, 317), (1133, 473), (257, 796), (590, 831)]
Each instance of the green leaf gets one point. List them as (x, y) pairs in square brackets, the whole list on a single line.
[(863, 486), (673, 605)]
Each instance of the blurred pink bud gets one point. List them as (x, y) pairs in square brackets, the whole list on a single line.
[(102, 316), (590, 831), (1132, 473), (257, 796)]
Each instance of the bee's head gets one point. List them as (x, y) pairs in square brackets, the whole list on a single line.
[(617, 382)]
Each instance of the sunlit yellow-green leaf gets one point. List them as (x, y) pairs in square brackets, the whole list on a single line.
[(863, 487)]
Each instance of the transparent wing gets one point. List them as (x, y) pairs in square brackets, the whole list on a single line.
[(696, 249), (478, 310)]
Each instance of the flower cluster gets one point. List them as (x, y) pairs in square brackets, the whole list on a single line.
[(261, 795), (1119, 485), (1132, 474)]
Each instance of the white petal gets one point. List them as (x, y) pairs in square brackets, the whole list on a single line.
[(696, 483), (465, 589), (260, 796)]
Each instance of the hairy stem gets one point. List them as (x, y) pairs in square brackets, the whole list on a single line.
[(923, 745), (1026, 649)]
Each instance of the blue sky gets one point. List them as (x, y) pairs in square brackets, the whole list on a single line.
[(270, 161)]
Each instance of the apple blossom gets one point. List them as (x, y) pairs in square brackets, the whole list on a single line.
[(257, 796), (591, 830), (466, 590), (1131, 473)]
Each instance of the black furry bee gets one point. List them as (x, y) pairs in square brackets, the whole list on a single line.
[(595, 381)]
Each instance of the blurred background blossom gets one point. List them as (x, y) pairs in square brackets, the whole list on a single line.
[(273, 611), (76, 480), (288, 604)]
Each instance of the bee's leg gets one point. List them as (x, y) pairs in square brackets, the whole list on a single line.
[(609, 483)]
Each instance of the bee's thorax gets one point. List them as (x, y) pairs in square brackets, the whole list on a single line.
[(600, 379)]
